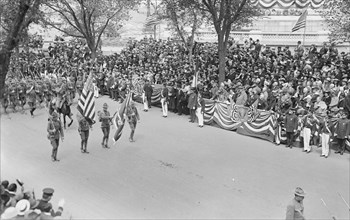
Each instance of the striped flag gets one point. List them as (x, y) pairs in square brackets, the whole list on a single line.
[(301, 23), (152, 20), (119, 119), (86, 102)]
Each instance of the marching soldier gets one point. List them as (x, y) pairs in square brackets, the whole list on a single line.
[(295, 209), (31, 98), (79, 85), (22, 88), (133, 116), (13, 95), (39, 92), (6, 97), (105, 119), (55, 132), (83, 128)]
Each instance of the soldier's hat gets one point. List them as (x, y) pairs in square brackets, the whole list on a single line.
[(299, 192), (49, 191)]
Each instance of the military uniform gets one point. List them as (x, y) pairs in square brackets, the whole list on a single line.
[(13, 95), (55, 131), (105, 119), (31, 99), (132, 116), (83, 129), (22, 88), (295, 210), (46, 207)]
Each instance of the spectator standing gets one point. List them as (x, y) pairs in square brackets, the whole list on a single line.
[(342, 132), (192, 104), (291, 125), (164, 96), (200, 110)]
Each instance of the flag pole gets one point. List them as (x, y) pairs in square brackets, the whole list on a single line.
[(304, 30)]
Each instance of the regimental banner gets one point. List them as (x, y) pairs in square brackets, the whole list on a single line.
[(288, 3)]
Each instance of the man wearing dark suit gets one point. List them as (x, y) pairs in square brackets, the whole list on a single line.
[(342, 131), (192, 103), (148, 92), (291, 124), (180, 99)]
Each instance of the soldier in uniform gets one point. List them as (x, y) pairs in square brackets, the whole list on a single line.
[(295, 209), (79, 85), (6, 97), (47, 92), (342, 132), (13, 95), (105, 119), (39, 92), (83, 128), (132, 116), (291, 125), (31, 98), (71, 89), (22, 88), (55, 131), (46, 207)]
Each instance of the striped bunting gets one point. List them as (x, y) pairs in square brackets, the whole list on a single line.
[(301, 23), (86, 102)]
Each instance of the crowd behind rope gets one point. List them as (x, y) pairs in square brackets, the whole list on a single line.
[(20, 203), (307, 81)]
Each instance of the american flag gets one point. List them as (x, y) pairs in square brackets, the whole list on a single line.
[(152, 20), (301, 23), (119, 118), (86, 102)]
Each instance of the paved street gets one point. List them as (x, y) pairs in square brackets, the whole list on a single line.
[(173, 170)]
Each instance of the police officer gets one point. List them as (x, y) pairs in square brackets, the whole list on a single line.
[(291, 125), (342, 132), (55, 132)]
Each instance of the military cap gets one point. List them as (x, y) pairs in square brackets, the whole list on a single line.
[(48, 191)]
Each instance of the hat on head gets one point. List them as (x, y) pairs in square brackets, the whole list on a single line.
[(54, 115), (48, 191), (299, 192), (22, 206)]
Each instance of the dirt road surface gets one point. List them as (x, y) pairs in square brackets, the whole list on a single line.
[(174, 170)]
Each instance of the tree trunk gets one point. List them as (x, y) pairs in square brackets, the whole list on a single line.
[(4, 67), (222, 58)]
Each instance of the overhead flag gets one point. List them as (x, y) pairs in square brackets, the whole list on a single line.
[(152, 20), (86, 102), (301, 23), (119, 119)]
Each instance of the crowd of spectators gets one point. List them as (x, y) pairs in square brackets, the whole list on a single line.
[(18, 203)]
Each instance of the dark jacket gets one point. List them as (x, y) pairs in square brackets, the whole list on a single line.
[(291, 123), (192, 101)]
